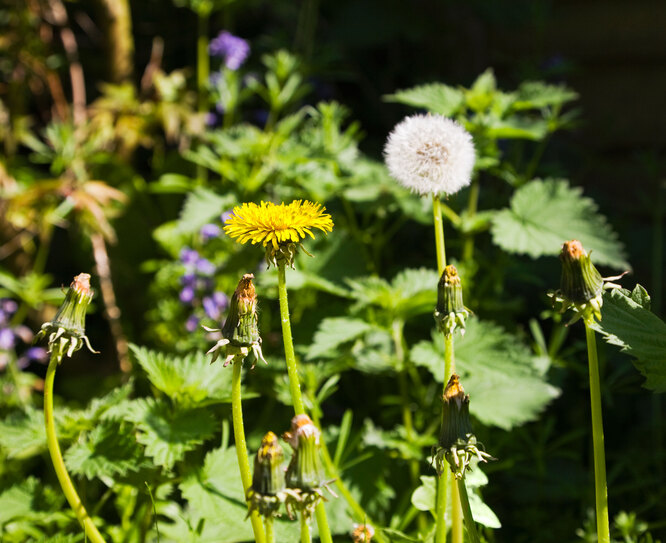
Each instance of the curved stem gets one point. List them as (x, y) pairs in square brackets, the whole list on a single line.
[(439, 234), (467, 512), (306, 536), (56, 456), (290, 357), (270, 529), (600, 487), (241, 447)]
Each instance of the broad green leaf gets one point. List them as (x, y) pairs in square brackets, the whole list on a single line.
[(627, 323), (190, 380), (515, 127), (424, 498), (333, 332), (299, 279), (498, 371), (168, 432), (106, 452), (22, 434), (545, 213), (536, 95), (17, 501), (202, 206), (435, 97)]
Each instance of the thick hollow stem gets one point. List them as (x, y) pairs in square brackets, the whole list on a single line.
[(442, 491), (439, 234), (241, 447), (456, 513), (322, 523), (270, 529), (472, 205), (290, 357), (600, 488), (472, 536), (306, 536), (56, 457)]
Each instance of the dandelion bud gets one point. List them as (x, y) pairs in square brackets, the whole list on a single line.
[(305, 475), (67, 330), (362, 533), (268, 487), (450, 312), (240, 333), (457, 442)]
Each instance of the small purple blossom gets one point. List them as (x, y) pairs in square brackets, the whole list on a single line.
[(226, 216), (210, 231), (205, 266), (33, 354), (192, 323), (7, 339), (215, 304), (232, 49), (186, 295), (189, 256), (188, 279)]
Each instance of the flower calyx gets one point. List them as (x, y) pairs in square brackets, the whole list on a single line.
[(67, 331), (240, 333), (305, 475), (457, 443), (581, 284), (450, 312)]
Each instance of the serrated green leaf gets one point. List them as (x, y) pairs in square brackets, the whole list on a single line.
[(537, 94), (22, 434), (200, 207), (333, 332), (108, 451), (545, 213), (626, 323), (167, 432), (17, 501), (435, 97), (189, 380), (515, 127), (497, 370)]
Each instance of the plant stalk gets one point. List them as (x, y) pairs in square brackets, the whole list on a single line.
[(456, 513), (241, 447), (306, 536), (439, 234), (472, 205), (472, 535), (56, 455), (203, 75), (600, 486), (269, 525)]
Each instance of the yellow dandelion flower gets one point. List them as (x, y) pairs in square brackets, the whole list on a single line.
[(279, 228)]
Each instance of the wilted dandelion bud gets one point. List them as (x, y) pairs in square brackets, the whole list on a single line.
[(305, 475), (240, 333), (581, 285), (268, 486), (430, 154), (457, 442), (450, 312), (362, 533), (67, 330)]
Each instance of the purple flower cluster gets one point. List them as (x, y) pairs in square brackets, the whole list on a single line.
[(10, 335), (197, 287), (232, 49)]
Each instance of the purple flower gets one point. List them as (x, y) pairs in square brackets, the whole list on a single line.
[(188, 279), (210, 231), (205, 267), (226, 216), (33, 354), (232, 49), (188, 256), (215, 304), (7, 339), (186, 295), (192, 323)]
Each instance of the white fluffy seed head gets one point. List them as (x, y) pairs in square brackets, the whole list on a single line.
[(430, 154)]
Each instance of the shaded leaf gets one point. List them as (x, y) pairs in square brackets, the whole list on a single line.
[(200, 207), (333, 332), (536, 95), (498, 371), (543, 214), (435, 97)]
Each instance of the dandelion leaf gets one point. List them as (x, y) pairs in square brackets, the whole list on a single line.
[(627, 322), (498, 371), (545, 213)]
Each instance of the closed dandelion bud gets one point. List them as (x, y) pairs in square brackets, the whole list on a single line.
[(450, 312), (240, 333), (581, 282), (457, 443), (66, 332), (305, 475), (268, 485)]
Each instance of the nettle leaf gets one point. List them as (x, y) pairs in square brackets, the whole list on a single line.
[(498, 371), (536, 95), (166, 431), (627, 322), (189, 380), (332, 333), (412, 292), (108, 451), (31, 500), (202, 206), (22, 433), (435, 97), (543, 214)]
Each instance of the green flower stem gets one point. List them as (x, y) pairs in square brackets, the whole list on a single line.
[(439, 234), (56, 456), (203, 73), (306, 536), (467, 512), (295, 386), (472, 205), (290, 357), (600, 487), (270, 529), (443, 480), (456, 513), (241, 447)]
